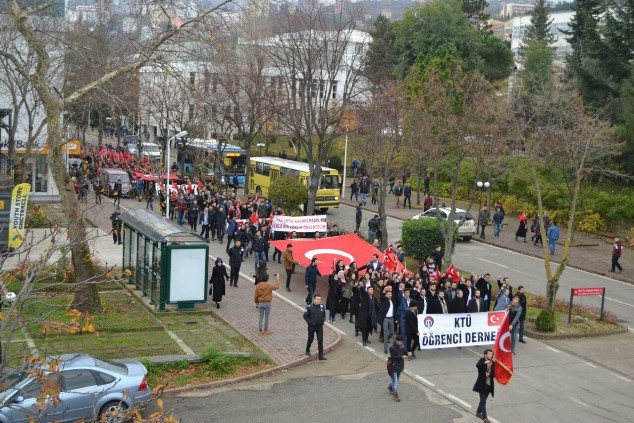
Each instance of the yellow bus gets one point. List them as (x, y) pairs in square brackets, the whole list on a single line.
[(264, 170)]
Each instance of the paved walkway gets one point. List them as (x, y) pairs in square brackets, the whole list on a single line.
[(593, 253), (287, 343)]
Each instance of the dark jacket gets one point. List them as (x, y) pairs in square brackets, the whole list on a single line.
[(367, 311), (411, 324), (472, 306), (235, 256), (522, 298), (358, 214), (385, 306), (396, 354), (315, 315), (334, 292), (458, 305), (310, 278), (259, 244), (232, 227), (480, 384), (217, 283)]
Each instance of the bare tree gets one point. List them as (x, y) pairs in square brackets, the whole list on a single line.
[(380, 148), (562, 136), (45, 46), (318, 57)]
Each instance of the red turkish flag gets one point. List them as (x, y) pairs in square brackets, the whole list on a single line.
[(389, 259), (452, 273), (503, 354)]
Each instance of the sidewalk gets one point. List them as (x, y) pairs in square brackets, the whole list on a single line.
[(591, 253), (287, 343)]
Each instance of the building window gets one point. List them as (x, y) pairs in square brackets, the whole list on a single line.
[(333, 89)]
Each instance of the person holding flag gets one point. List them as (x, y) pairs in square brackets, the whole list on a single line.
[(484, 383)]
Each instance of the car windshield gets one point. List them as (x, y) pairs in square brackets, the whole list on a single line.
[(112, 366), (460, 215), (151, 149), (11, 383), (114, 177), (434, 213), (329, 182)]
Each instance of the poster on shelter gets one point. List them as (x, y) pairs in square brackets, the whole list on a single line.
[(17, 218)]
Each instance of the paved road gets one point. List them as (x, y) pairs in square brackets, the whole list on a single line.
[(523, 270), (349, 387)]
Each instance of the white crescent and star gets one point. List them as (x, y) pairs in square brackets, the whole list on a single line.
[(312, 253), (506, 336)]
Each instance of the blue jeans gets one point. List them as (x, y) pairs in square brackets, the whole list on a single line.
[(514, 332), (259, 256), (497, 228), (181, 214), (394, 385), (364, 197), (311, 292), (551, 246), (265, 312), (332, 315)]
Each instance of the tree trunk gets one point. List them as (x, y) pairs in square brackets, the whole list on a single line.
[(247, 171), (100, 132), (382, 195), (451, 225), (86, 298), (419, 178)]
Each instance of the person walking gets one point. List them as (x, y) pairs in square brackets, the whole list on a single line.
[(617, 248), (315, 317), (398, 193), (397, 360), (310, 279), (552, 236), (117, 192), (288, 263), (407, 193), (115, 218), (149, 198), (217, 282), (97, 187), (358, 216), (263, 296), (385, 316), (484, 384), (483, 220), (498, 218), (522, 228), (515, 313), (235, 261), (354, 190)]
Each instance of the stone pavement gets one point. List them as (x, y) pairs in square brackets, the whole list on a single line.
[(592, 253), (287, 343)]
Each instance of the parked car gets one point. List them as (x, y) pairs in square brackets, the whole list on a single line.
[(89, 388), (468, 228), (109, 177)]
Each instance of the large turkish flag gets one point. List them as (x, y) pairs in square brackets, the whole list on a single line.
[(349, 248), (503, 354)]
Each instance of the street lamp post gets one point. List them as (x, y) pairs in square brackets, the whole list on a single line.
[(167, 171), (260, 145), (345, 163), (481, 187)]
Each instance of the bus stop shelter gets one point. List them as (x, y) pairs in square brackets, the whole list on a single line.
[(164, 261)]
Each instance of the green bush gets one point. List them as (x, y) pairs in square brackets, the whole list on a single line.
[(591, 222), (545, 322), (420, 236), (288, 193), (336, 163), (219, 362)]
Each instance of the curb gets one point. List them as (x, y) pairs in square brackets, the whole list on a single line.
[(547, 336), (253, 376)]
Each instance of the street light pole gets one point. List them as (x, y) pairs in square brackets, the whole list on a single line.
[(345, 162), (167, 171), (481, 186)]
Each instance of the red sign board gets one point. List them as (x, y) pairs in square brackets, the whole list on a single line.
[(581, 292)]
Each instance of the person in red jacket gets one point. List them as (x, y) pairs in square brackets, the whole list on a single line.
[(616, 255)]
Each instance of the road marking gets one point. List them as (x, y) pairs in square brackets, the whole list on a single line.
[(552, 349), (623, 378), (425, 381), (492, 262), (459, 401), (578, 401), (591, 365), (369, 348), (492, 420), (620, 302)]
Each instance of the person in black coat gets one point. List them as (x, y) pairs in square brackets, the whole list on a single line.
[(334, 292), (485, 288), (235, 261), (411, 329), (476, 304), (355, 303), (367, 314), (484, 383), (459, 303), (217, 282)]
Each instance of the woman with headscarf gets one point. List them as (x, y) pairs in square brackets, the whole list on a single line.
[(217, 282), (333, 296), (522, 229), (346, 293)]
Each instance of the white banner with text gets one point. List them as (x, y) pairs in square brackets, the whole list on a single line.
[(458, 330), (299, 223)]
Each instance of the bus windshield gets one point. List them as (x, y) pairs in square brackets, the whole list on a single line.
[(326, 182)]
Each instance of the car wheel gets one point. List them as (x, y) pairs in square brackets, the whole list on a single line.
[(113, 412), (466, 238), (323, 209)]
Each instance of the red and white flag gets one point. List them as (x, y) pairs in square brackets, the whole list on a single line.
[(452, 273), (503, 354), (389, 259)]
